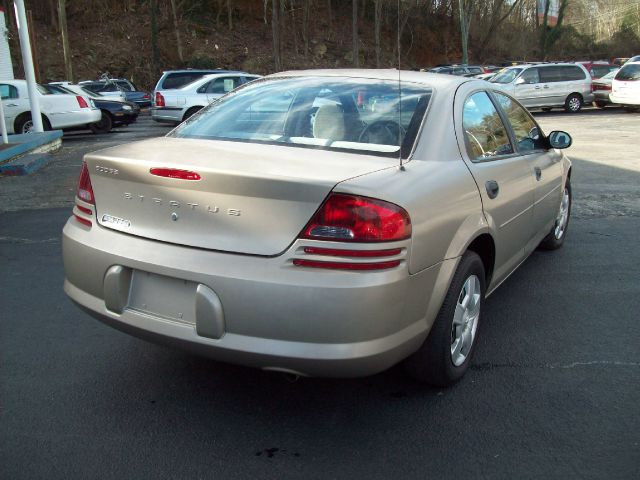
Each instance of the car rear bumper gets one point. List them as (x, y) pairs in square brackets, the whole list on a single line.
[(76, 118), (256, 311), (125, 117), (625, 100), (164, 114)]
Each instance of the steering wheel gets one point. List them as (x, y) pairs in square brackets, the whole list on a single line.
[(382, 132)]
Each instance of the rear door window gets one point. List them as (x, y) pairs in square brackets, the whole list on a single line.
[(223, 85), (8, 91), (550, 74), (571, 73), (485, 135)]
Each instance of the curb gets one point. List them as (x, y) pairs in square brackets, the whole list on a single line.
[(27, 153)]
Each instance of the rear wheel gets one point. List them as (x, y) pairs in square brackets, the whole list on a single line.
[(556, 236), (446, 353), (573, 103), (104, 125), (191, 112), (24, 124)]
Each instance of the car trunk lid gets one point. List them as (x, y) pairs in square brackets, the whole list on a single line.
[(250, 198)]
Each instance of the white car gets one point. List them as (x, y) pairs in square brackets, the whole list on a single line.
[(625, 88), (58, 111), (176, 105)]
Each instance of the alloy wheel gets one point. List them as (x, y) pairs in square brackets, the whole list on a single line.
[(563, 216), (465, 320), (575, 104)]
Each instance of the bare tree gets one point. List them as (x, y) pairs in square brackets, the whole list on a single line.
[(155, 51), (354, 30), (549, 35), (62, 20), (177, 30), (377, 10), (305, 25), (275, 31)]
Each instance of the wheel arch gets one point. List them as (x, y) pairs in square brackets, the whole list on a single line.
[(27, 114), (485, 247)]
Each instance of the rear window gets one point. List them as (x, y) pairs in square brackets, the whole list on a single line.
[(327, 113), (179, 79), (629, 72), (560, 73)]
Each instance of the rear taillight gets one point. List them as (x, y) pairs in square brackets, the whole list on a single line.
[(352, 218), (146, 96), (82, 102), (84, 192), (159, 100)]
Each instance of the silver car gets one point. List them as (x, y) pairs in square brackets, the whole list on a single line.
[(547, 85), (323, 223), (177, 104)]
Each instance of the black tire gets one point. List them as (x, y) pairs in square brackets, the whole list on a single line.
[(25, 119), (599, 103), (104, 125), (553, 241), (573, 103), (433, 362), (191, 112)]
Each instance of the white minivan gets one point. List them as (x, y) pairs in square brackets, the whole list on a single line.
[(547, 85), (625, 88)]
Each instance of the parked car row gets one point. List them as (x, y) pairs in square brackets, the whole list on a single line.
[(59, 110)]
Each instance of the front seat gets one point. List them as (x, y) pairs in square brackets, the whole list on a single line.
[(329, 123)]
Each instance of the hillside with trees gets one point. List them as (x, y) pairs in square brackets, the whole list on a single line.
[(138, 39)]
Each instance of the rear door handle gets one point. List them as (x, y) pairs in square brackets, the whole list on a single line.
[(11, 105), (538, 173), (492, 188)]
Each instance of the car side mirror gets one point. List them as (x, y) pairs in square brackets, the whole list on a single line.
[(519, 81), (559, 139)]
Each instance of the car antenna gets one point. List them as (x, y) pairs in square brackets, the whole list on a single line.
[(399, 94)]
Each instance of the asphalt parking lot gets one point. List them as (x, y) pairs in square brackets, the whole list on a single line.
[(554, 390)]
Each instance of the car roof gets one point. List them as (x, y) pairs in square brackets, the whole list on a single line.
[(426, 78), (196, 70)]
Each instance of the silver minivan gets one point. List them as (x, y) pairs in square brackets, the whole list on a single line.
[(547, 85)]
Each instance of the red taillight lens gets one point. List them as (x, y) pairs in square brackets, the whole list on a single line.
[(347, 265), (146, 96), (335, 252), (175, 173), (85, 190), (352, 218), (159, 100), (82, 102)]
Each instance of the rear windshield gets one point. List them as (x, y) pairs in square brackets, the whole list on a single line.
[(629, 72), (327, 113), (506, 76), (176, 80)]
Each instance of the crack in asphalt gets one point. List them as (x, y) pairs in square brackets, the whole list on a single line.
[(491, 366), (28, 241)]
